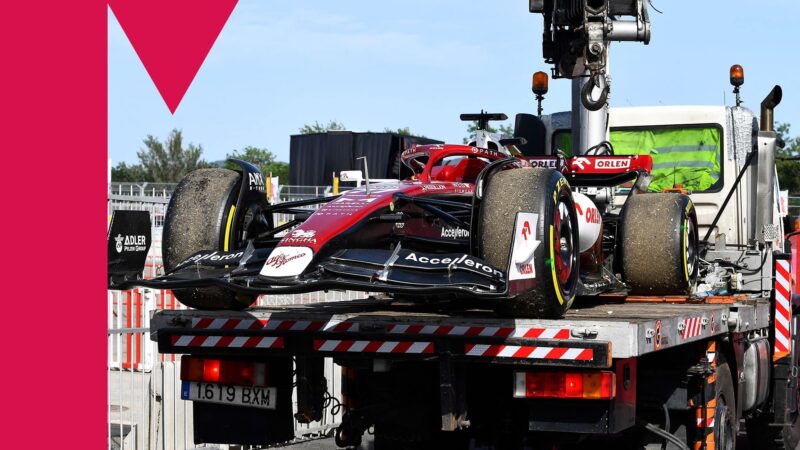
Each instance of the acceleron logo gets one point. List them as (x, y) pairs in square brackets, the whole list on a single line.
[(172, 38)]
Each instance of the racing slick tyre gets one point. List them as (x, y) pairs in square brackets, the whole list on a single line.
[(657, 245), (199, 217), (551, 280)]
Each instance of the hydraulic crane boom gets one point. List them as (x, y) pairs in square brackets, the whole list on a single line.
[(576, 39)]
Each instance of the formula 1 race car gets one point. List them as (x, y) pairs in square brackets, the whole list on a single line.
[(498, 222)]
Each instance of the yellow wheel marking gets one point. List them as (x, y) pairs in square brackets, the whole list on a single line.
[(553, 268), (228, 228), (685, 239)]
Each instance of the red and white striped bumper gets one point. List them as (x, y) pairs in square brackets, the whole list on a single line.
[(353, 346), (253, 342), (783, 308), (530, 352)]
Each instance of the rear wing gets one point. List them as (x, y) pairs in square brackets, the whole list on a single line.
[(128, 244)]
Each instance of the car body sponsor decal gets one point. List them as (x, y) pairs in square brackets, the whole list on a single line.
[(130, 243), (454, 233), (256, 181), (595, 163), (544, 163), (524, 247), (287, 261), (444, 261), (212, 258), (300, 236)]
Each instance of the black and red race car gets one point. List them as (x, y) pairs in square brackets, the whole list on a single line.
[(472, 224)]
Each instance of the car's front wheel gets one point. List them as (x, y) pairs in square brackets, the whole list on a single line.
[(200, 217), (535, 208)]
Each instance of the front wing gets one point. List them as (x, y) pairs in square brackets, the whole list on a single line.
[(399, 271)]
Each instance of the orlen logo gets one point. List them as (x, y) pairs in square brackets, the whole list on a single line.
[(543, 163), (610, 164), (525, 269), (592, 215)]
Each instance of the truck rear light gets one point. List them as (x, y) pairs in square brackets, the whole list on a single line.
[(562, 384), (239, 373)]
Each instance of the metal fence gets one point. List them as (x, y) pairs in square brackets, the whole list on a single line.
[(148, 191), (144, 406)]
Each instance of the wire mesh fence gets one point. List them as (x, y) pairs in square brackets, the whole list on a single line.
[(144, 406)]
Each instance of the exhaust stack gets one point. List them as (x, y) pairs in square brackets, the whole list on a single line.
[(768, 105)]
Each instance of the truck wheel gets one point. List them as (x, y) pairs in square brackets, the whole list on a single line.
[(761, 433), (555, 263), (774, 437), (657, 244), (199, 217), (725, 422)]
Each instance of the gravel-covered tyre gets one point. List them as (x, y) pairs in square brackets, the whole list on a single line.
[(657, 244), (546, 193), (199, 217)]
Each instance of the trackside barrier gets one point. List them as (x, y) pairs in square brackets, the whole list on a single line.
[(149, 191), (145, 410), (144, 407)]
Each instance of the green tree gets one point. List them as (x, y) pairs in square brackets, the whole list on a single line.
[(264, 159), (405, 131), (788, 170), (317, 127), (169, 161), (131, 173)]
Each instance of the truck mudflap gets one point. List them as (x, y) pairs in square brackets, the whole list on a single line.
[(275, 337)]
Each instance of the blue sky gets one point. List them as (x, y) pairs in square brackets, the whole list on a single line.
[(419, 63)]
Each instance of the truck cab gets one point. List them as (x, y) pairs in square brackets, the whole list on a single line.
[(703, 150)]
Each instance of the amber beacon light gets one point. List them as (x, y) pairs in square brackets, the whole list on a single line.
[(737, 75), (540, 83)]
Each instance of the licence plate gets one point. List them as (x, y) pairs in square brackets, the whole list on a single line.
[(256, 397)]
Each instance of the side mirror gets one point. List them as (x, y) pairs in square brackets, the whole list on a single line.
[(532, 129)]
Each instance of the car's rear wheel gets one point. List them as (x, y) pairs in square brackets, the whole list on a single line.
[(658, 244), (551, 280), (199, 217)]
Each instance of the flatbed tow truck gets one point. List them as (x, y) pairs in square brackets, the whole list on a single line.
[(660, 350), (642, 371)]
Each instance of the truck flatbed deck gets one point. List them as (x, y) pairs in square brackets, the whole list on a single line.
[(592, 333)]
